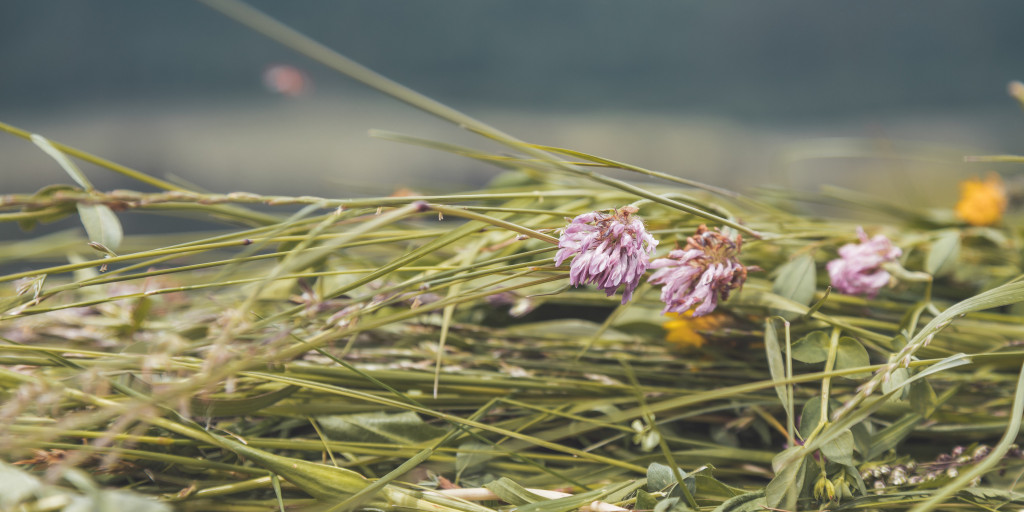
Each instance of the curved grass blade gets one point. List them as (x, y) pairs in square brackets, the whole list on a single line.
[(993, 458)]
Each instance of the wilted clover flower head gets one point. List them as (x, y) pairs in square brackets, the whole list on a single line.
[(858, 270), (701, 273), (611, 249)]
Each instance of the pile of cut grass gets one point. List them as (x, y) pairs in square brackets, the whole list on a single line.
[(422, 351)]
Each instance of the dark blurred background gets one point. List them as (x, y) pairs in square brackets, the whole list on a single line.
[(868, 94)]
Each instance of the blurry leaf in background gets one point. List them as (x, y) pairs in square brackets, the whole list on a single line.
[(20, 490), (796, 281), (116, 500), (574, 327), (944, 253), (15, 486)]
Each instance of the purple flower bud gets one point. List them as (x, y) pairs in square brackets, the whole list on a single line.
[(610, 250), (701, 273), (858, 270)]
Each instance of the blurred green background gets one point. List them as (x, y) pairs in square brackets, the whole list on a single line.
[(870, 94)]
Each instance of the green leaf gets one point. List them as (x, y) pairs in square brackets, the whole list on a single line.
[(812, 348), (851, 354), (776, 365), (810, 416), (644, 500), (711, 487), (379, 427), (721, 435), (16, 486), (471, 453), (511, 492), (140, 312), (101, 225), (112, 500), (660, 478), (749, 502), (896, 380), (856, 416), (944, 253), (898, 342), (669, 504), (840, 449), (784, 490), (796, 281), (922, 397), (862, 434), (62, 160), (624, 492)]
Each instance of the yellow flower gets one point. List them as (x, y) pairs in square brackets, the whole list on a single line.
[(982, 203), (684, 330)]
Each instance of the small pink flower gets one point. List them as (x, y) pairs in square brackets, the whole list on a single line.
[(610, 250), (858, 270), (700, 274)]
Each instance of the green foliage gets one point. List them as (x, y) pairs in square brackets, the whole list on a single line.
[(367, 352), (21, 491), (944, 253), (796, 280)]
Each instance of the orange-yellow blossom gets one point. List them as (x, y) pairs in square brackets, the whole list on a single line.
[(982, 203), (684, 330)]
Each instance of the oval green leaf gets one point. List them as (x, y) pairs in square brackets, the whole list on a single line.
[(840, 449), (62, 160), (852, 354), (101, 225), (796, 281), (812, 348), (944, 253)]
